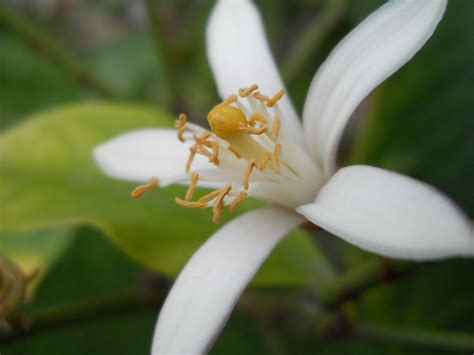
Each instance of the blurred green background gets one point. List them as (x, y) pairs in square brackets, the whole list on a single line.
[(74, 73)]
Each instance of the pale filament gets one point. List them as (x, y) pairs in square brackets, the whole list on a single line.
[(276, 124)]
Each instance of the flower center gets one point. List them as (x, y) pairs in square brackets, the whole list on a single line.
[(246, 137)]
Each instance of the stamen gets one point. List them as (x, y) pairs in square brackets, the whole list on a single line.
[(181, 121), (271, 102), (261, 97), (256, 117), (276, 158), (202, 139), (231, 99), (209, 196), (216, 217), (248, 171), (276, 124), (189, 204), (233, 151), (242, 196), (140, 190), (253, 130), (201, 149), (192, 187), (215, 153), (192, 154), (180, 124), (244, 92), (220, 197), (219, 203), (266, 157)]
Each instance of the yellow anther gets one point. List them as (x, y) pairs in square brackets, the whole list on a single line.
[(181, 121), (276, 158), (180, 124), (261, 97), (253, 130), (230, 100), (192, 154), (276, 124), (210, 196), (242, 196), (248, 172), (271, 102), (189, 204), (244, 92), (225, 120), (215, 153), (202, 139), (140, 190), (266, 157), (220, 197), (219, 203), (254, 118), (216, 217), (233, 151), (192, 187)]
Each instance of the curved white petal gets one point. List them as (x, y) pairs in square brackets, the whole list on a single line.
[(372, 52), (239, 56), (141, 154), (207, 289), (391, 214)]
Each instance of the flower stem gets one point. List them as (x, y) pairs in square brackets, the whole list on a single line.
[(311, 39), (426, 338), (49, 47), (356, 281)]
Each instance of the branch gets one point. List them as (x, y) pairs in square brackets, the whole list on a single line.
[(311, 39), (427, 338), (363, 277), (52, 49), (70, 314)]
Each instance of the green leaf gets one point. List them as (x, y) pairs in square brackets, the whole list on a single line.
[(49, 178), (92, 275), (128, 65), (29, 82)]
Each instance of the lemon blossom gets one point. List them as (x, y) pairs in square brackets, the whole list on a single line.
[(256, 146)]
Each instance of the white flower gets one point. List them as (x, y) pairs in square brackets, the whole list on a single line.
[(291, 166)]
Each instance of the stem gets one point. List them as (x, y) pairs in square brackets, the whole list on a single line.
[(417, 337), (164, 51), (371, 273), (52, 49), (57, 316), (311, 39)]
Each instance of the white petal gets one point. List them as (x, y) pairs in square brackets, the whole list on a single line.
[(372, 52), (391, 214), (239, 56), (207, 289), (142, 154)]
